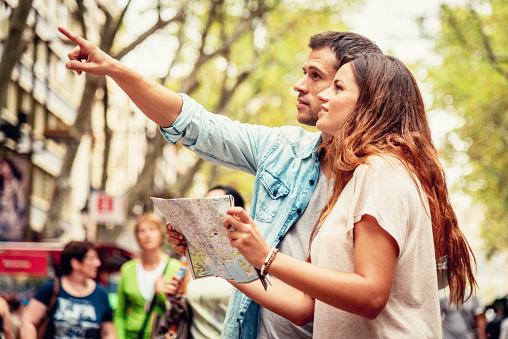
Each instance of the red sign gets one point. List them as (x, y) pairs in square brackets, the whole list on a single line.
[(104, 208), (32, 265), (104, 204)]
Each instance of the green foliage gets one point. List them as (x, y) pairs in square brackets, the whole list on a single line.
[(472, 83), (272, 52)]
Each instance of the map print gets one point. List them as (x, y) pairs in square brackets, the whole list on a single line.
[(209, 249)]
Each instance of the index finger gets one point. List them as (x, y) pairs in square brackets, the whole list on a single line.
[(73, 37), (239, 212)]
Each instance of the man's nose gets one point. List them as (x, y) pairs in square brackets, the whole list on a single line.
[(300, 85)]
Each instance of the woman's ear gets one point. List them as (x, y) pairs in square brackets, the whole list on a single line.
[(74, 263)]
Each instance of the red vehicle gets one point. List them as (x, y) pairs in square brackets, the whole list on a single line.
[(25, 266)]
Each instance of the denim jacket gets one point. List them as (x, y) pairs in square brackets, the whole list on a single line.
[(286, 166)]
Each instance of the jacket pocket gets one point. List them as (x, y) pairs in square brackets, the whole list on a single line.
[(270, 197)]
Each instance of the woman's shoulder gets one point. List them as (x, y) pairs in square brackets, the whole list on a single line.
[(387, 170), (100, 290), (382, 164), (45, 291), (129, 265)]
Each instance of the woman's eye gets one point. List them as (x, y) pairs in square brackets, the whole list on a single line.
[(315, 75)]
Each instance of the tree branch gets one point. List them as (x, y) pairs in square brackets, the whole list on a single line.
[(179, 17), (491, 57)]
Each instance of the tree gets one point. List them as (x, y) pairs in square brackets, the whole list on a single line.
[(109, 31), (14, 45), (472, 84), (252, 75), (242, 58)]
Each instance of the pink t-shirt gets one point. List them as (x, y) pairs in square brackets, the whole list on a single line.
[(384, 190)]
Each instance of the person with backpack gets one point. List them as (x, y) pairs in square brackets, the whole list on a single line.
[(77, 307)]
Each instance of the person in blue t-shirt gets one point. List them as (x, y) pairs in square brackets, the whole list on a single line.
[(82, 309)]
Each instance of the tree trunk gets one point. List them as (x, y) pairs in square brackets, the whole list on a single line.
[(14, 46), (82, 124)]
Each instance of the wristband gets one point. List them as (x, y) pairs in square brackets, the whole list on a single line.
[(262, 273), (268, 261)]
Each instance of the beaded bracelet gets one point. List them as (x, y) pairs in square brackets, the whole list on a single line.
[(268, 261)]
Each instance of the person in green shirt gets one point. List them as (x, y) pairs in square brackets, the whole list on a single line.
[(143, 278)]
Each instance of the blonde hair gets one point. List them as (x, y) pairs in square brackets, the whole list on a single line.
[(149, 218)]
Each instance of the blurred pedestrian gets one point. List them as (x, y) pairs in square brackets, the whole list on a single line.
[(144, 282), (494, 326), (466, 321), (17, 309), (5, 320), (82, 308), (503, 332), (208, 298)]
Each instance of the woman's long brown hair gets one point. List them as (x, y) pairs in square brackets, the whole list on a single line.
[(389, 120)]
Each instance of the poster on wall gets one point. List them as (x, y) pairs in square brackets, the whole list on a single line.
[(13, 197)]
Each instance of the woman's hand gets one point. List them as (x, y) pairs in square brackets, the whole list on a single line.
[(246, 237), (173, 287), (176, 239), (159, 285)]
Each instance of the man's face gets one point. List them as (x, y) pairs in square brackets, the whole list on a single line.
[(318, 73)]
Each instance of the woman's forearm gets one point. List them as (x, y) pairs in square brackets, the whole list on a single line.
[(281, 299)]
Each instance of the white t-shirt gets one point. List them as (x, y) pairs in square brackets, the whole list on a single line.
[(208, 299), (386, 191), (146, 279)]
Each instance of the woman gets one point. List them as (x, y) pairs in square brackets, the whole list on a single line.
[(82, 308), (372, 270), (141, 279)]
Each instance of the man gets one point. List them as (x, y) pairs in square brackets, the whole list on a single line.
[(290, 187), (463, 322)]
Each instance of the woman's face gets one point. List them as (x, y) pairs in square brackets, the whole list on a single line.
[(338, 101), (90, 264), (149, 236)]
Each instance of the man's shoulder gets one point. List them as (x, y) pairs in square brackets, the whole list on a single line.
[(299, 132), (298, 138)]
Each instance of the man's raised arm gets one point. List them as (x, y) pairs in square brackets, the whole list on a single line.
[(157, 102)]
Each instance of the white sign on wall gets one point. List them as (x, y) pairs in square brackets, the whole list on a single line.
[(103, 208)]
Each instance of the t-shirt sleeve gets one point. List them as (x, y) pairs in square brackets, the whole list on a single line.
[(45, 292), (384, 190), (108, 312)]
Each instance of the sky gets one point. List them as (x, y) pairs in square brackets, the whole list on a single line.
[(392, 24)]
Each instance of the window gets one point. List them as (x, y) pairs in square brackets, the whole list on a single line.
[(39, 119), (43, 184)]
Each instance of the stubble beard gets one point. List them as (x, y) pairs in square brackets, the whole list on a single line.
[(308, 118)]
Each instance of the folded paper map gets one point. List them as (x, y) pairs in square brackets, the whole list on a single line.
[(209, 249)]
